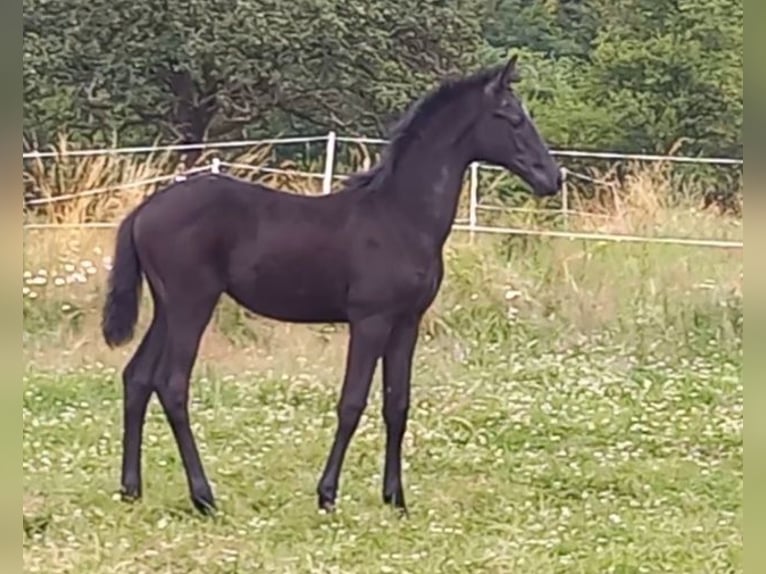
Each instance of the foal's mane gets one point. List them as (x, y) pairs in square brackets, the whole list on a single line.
[(409, 128)]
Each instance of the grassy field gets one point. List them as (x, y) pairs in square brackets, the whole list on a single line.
[(577, 407), (591, 460)]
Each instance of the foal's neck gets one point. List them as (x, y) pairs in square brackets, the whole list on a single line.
[(428, 186)]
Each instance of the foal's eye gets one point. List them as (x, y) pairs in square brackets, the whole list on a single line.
[(510, 115), (516, 119)]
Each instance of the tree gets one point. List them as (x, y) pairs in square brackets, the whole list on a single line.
[(554, 28), (637, 75), (190, 70), (671, 69)]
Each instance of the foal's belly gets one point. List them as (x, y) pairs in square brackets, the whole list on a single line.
[(292, 294)]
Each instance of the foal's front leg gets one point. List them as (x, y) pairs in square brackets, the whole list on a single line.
[(397, 368), (366, 344)]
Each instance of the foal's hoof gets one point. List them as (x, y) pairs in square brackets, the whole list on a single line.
[(396, 502), (400, 511), (205, 505), (130, 494), (326, 505)]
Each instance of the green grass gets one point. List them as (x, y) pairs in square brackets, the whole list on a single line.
[(577, 407), (591, 459)]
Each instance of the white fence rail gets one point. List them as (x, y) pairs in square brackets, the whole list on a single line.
[(36, 154), (331, 140)]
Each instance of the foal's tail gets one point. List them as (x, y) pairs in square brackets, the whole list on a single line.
[(120, 311)]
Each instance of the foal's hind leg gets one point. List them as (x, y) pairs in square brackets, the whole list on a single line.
[(138, 384), (366, 344), (186, 316)]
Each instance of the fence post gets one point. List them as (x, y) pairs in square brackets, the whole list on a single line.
[(473, 198), (565, 197), (329, 161), (215, 165)]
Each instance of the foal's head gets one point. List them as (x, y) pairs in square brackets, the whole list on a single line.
[(504, 134)]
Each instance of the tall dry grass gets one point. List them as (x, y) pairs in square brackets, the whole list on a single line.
[(495, 287), (50, 180), (645, 199)]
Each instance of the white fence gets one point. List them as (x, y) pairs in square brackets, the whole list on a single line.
[(328, 175)]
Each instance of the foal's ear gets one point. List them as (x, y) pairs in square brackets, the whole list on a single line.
[(505, 77)]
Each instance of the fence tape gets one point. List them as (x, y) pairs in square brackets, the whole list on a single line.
[(542, 211), (589, 154), (117, 187), (603, 236), (264, 169), (35, 154)]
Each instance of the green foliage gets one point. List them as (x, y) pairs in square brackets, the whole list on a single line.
[(672, 70), (562, 28), (222, 68), (639, 75)]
